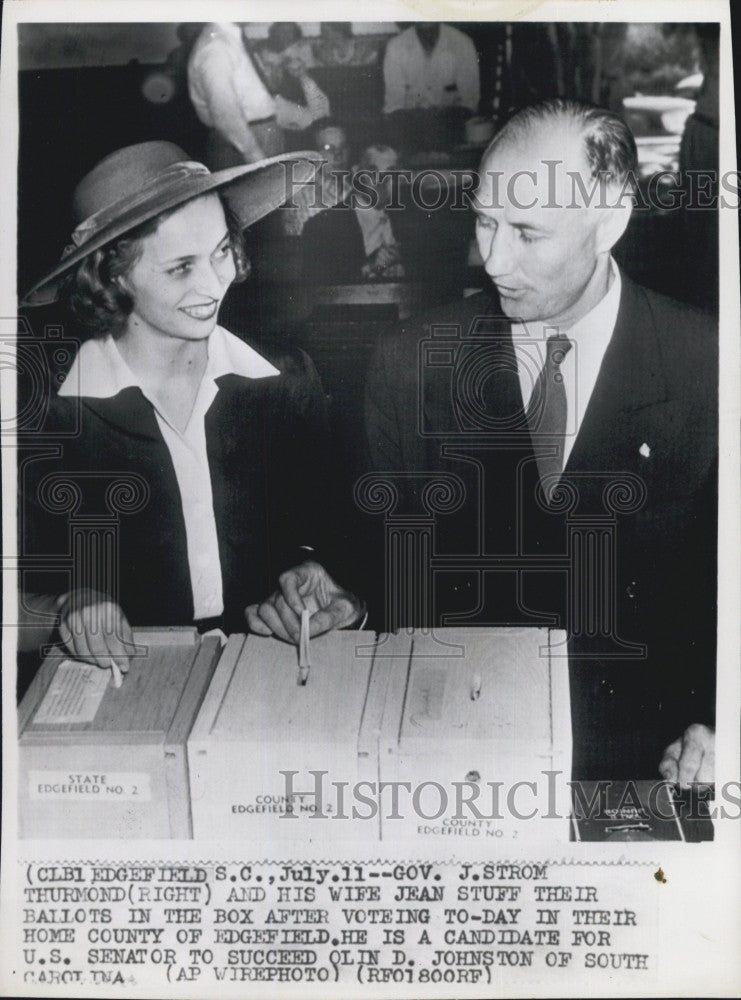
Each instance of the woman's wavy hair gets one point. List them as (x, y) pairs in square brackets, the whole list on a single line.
[(97, 300)]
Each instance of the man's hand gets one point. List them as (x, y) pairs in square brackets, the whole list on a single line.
[(690, 758), (94, 628), (306, 586), (384, 263)]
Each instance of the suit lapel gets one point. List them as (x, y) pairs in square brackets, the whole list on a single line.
[(237, 430), (478, 390), (128, 411), (622, 413)]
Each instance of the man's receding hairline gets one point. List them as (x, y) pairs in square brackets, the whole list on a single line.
[(607, 144), (529, 130)]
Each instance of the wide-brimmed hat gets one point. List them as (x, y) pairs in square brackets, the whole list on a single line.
[(139, 182)]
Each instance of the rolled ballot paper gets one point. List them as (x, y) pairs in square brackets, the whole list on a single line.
[(304, 661), (115, 673)]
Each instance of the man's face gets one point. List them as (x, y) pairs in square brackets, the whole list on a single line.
[(540, 258), (295, 59), (332, 143)]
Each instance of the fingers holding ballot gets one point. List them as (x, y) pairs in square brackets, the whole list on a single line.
[(691, 758), (305, 587), (93, 628)]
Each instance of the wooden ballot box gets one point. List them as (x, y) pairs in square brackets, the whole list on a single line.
[(474, 715), (100, 761), (258, 722)]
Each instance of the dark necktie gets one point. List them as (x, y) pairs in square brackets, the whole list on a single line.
[(546, 414)]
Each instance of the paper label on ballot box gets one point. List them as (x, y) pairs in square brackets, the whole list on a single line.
[(109, 786), (74, 694), (427, 696)]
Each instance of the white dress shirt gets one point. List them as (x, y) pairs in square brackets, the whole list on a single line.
[(590, 337), (226, 89), (100, 371), (415, 79)]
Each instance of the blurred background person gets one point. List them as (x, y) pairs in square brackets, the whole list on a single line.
[(338, 46), (329, 186), (284, 38), (231, 99), (250, 113), (285, 60), (176, 64), (356, 240), (430, 65)]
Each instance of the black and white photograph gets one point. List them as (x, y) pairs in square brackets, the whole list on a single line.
[(370, 467)]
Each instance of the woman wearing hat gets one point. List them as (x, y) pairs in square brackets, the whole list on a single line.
[(181, 484)]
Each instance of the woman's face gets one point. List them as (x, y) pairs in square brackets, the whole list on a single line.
[(183, 273)]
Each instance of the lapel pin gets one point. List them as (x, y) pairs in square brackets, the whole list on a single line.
[(645, 450)]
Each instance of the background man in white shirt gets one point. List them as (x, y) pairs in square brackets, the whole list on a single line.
[(430, 65), (231, 99), (576, 409), (230, 96)]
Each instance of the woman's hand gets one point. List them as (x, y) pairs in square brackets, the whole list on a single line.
[(308, 586), (94, 628)]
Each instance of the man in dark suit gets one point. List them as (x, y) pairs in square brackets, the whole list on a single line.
[(570, 422)]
